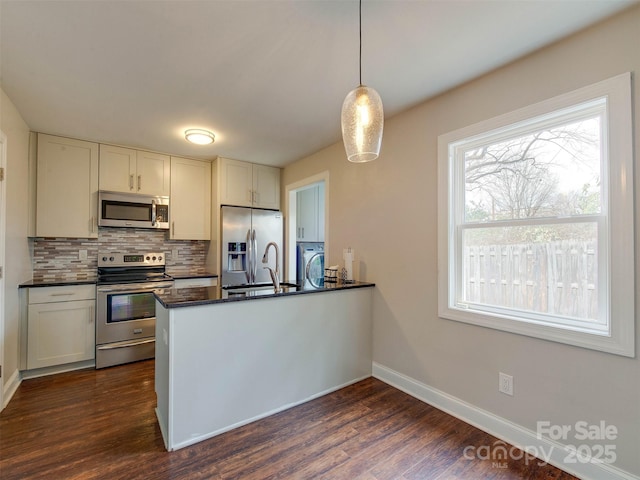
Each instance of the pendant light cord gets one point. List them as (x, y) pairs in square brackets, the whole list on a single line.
[(360, 27)]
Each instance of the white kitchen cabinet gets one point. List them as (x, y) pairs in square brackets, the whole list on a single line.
[(134, 171), (117, 168), (195, 282), (66, 188), (153, 173), (310, 214), (60, 325), (246, 184), (190, 199), (266, 187)]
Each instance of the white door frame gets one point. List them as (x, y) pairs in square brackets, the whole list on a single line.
[(291, 191), (3, 211)]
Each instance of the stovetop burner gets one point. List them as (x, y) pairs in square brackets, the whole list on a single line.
[(115, 268), (134, 277)]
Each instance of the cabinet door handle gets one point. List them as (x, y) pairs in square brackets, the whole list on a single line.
[(302, 232), (130, 182), (139, 182), (173, 228), (250, 195), (61, 294)]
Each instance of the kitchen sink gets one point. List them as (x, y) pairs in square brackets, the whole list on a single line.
[(256, 290)]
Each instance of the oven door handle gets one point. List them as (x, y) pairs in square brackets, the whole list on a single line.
[(113, 346)]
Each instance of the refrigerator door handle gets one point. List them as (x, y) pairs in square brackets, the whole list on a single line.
[(255, 256), (249, 268)]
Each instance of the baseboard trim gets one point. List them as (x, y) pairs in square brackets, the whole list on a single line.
[(67, 367), (11, 387), (509, 432)]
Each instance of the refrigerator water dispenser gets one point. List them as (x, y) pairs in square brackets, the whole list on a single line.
[(237, 257)]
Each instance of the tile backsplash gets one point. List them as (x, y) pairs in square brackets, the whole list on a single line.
[(60, 258)]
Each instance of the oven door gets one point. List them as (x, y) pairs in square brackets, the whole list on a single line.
[(126, 312), (126, 323)]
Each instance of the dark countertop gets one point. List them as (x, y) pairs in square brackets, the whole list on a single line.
[(57, 282), (189, 297), (182, 274), (63, 282)]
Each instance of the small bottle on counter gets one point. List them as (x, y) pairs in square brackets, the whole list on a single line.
[(348, 255)]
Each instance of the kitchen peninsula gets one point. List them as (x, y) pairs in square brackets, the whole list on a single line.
[(226, 358)]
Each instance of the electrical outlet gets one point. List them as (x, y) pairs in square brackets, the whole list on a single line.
[(82, 254), (174, 254), (505, 383)]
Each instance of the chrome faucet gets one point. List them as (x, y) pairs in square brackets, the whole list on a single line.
[(275, 274)]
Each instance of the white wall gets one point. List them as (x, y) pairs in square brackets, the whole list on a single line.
[(17, 256), (386, 210)]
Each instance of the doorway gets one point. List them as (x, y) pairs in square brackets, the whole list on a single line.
[(308, 217), (3, 202)]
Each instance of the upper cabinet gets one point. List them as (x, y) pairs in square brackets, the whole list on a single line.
[(249, 185), (266, 187), (190, 199), (310, 214), (153, 173), (67, 188), (134, 171)]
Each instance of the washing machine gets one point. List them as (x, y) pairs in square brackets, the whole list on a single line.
[(310, 264)]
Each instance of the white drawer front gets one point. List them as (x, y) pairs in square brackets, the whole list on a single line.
[(195, 282), (65, 293)]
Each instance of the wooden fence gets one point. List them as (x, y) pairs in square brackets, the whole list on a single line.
[(558, 278)]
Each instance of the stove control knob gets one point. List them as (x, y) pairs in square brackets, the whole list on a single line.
[(104, 259), (148, 258), (154, 258), (112, 259), (159, 258)]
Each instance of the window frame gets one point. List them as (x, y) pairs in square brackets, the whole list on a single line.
[(618, 208)]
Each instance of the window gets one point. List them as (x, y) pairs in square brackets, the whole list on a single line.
[(536, 220)]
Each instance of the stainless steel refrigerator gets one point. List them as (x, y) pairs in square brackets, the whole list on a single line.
[(246, 232)]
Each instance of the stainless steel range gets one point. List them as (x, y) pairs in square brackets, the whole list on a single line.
[(125, 306)]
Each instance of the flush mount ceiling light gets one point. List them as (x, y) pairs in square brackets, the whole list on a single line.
[(362, 118), (199, 136)]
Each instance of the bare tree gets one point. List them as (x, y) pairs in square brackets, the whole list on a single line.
[(518, 178)]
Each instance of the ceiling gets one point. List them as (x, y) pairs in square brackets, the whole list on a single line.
[(267, 77)]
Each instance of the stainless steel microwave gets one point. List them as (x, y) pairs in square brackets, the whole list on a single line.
[(132, 210)]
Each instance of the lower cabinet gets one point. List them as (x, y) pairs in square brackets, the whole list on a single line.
[(195, 282), (60, 325)]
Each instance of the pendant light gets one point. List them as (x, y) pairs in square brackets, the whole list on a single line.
[(362, 118)]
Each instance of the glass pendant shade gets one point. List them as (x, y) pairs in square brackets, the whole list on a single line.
[(362, 123)]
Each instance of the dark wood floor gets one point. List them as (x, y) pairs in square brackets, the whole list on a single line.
[(101, 425)]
